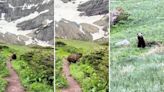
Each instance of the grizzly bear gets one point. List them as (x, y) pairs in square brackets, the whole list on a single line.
[(141, 41), (74, 57)]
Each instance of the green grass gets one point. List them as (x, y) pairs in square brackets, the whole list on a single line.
[(130, 71), (3, 73), (35, 73), (3, 84), (85, 45), (84, 72)]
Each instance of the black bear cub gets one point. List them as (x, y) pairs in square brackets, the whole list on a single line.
[(141, 41), (14, 56)]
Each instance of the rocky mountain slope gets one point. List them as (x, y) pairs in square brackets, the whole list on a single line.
[(27, 22), (81, 19)]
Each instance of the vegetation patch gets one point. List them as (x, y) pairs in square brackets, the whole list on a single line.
[(136, 69)]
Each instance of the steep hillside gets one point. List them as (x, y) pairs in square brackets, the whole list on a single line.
[(73, 23), (27, 22)]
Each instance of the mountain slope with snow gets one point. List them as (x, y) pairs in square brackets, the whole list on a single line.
[(71, 24), (27, 22)]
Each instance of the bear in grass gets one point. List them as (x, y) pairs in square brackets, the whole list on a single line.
[(141, 42), (73, 58), (13, 57)]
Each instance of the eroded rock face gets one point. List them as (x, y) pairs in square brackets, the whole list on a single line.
[(117, 15), (94, 7), (70, 30), (74, 57), (36, 15), (89, 28), (103, 22)]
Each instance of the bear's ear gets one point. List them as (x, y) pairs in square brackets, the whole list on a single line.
[(139, 34)]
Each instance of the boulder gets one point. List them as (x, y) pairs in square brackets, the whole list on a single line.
[(117, 15), (124, 42)]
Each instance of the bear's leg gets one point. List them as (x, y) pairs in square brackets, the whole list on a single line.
[(139, 45)]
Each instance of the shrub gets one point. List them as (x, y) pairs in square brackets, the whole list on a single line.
[(60, 81), (39, 87), (3, 85), (71, 49), (59, 44), (92, 71)]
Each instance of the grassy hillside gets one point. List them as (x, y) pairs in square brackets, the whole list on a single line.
[(132, 68), (89, 71), (34, 66)]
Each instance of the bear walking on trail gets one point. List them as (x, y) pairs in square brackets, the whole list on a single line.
[(141, 41), (13, 57), (74, 57)]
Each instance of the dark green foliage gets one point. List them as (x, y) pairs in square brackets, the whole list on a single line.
[(105, 43), (3, 47), (123, 16), (71, 49), (3, 84), (59, 44), (3, 68), (99, 62), (3, 73), (39, 87), (40, 47), (60, 81), (42, 64)]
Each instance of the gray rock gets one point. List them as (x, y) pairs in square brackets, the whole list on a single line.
[(89, 28), (12, 39), (103, 22), (66, 1), (124, 42), (70, 30), (94, 7), (46, 33), (118, 15)]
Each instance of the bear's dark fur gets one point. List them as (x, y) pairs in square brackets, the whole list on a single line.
[(74, 57), (141, 41), (14, 57)]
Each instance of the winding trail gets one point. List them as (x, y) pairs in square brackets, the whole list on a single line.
[(73, 86), (14, 84)]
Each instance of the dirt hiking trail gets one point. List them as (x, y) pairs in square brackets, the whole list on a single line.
[(73, 86), (13, 80)]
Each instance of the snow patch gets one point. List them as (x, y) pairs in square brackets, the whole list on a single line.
[(46, 1), (37, 42), (100, 34), (11, 28), (56, 25), (30, 16), (11, 6), (3, 16), (69, 11), (30, 41), (46, 22), (81, 29), (66, 21), (28, 6)]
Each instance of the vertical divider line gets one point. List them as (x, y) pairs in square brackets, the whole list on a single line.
[(54, 49), (109, 46)]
